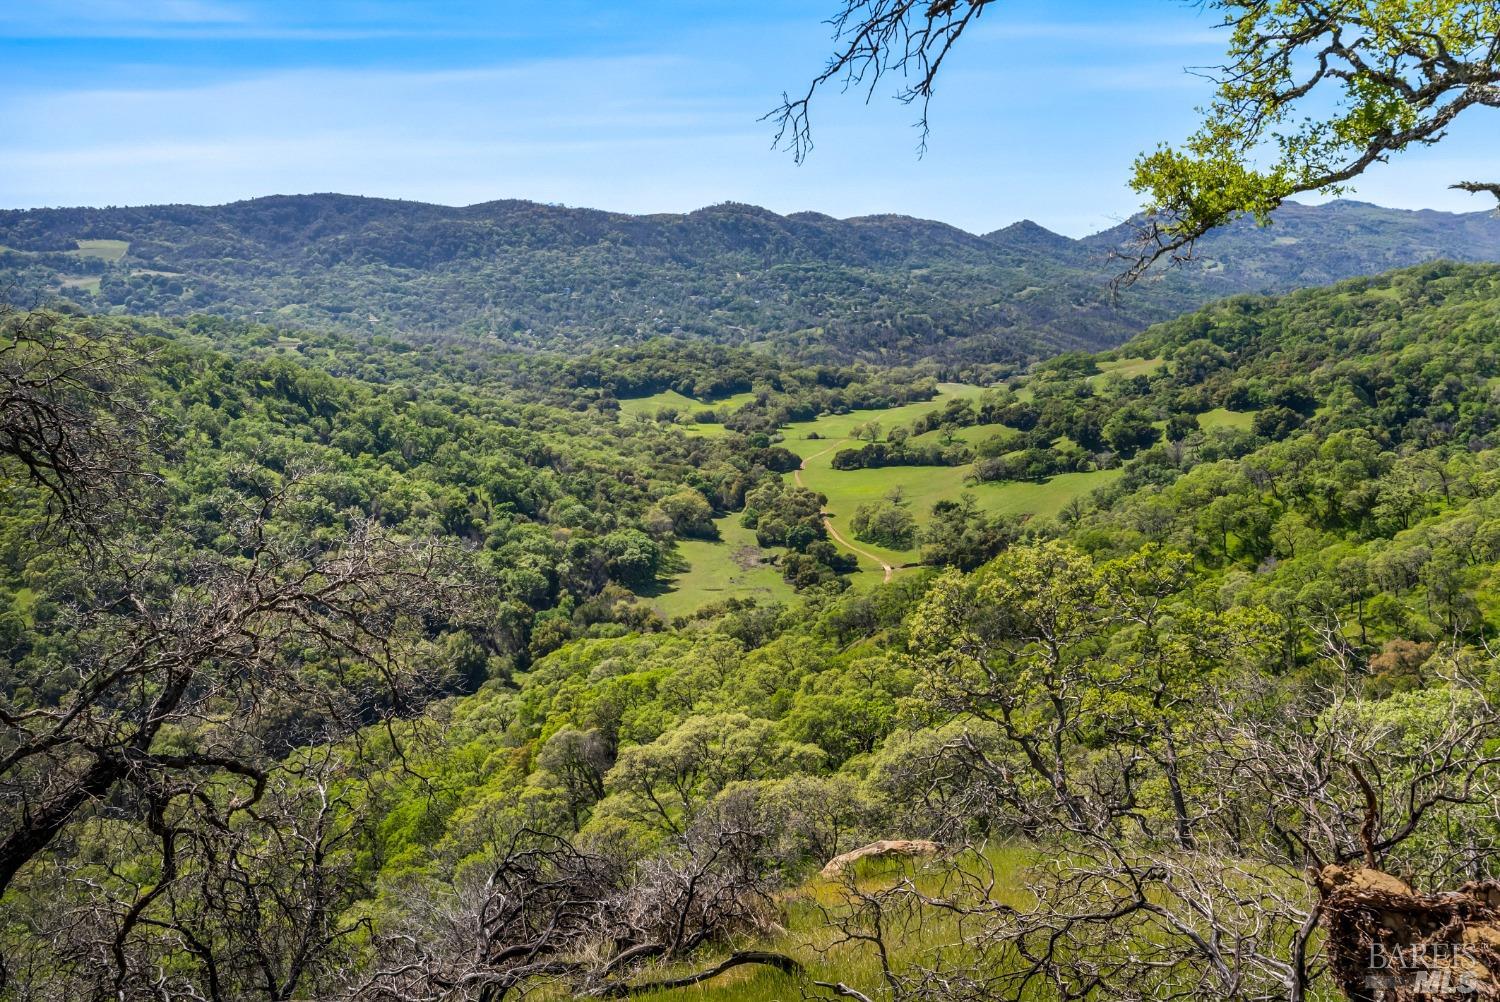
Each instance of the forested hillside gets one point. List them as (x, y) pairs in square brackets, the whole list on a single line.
[(563, 506), (339, 671), (888, 289)]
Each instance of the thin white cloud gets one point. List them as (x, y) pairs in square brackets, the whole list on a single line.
[(71, 18), (1150, 34), (1102, 77), (208, 20), (609, 96), (165, 11), (1021, 128), (543, 129)]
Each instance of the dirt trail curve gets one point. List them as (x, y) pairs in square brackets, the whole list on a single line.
[(890, 571)]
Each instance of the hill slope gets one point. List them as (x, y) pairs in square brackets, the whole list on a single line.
[(1257, 612), (880, 288)]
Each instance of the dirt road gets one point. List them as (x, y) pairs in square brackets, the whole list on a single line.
[(838, 537)]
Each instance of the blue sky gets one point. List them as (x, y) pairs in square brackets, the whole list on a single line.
[(640, 106)]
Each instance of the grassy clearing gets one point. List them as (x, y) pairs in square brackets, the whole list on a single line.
[(809, 938), (686, 407), (972, 435), (1222, 418), (1127, 367), (104, 250), (966, 391), (89, 283), (923, 486), (649, 406), (834, 429), (734, 566)]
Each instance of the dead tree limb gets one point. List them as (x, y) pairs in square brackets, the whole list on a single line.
[(780, 961)]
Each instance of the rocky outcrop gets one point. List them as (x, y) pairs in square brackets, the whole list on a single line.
[(1390, 943)]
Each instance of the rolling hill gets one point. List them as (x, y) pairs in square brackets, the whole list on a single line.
[(878, 288)]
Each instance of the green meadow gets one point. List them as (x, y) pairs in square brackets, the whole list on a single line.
[(104, 250), (817, 442), (971, 435), (686, 407), (1127, 367), (1222, 418), (650, 406), (808, 437), (89, 283), (734, 566), (923, 486)]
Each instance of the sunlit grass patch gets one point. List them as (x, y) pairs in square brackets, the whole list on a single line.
[(1127, 367), (1221, 417), (923, 486), (683, 404), (734, 566), (809, 938), (104, 250)]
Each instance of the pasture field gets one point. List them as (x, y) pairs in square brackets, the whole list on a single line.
[(686, 407), (733, 566), (104, 250), (972, 435), (922, 486), (1127, 367), (1222, 418), (830, 429), (681, 402)]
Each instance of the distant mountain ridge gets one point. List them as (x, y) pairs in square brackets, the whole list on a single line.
[(883, 288)]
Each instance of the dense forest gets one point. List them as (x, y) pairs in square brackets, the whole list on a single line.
[(336, 673), (885, 289)]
